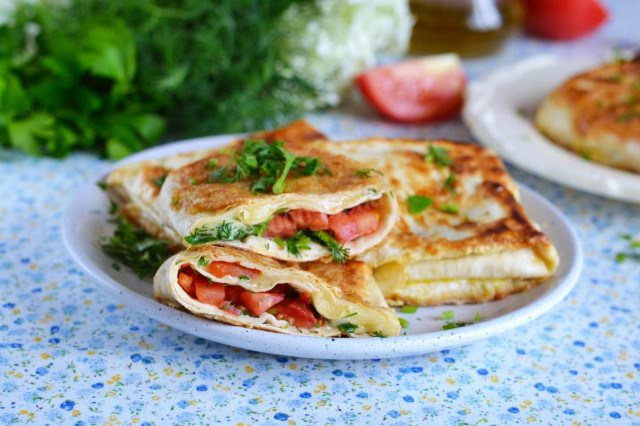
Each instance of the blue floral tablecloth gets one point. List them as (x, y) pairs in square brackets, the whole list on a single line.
[(70, 354)]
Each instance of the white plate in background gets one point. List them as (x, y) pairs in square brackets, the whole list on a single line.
[(499, 111)]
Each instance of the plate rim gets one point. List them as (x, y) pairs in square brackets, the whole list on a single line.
[(590, 179), (330, 347)]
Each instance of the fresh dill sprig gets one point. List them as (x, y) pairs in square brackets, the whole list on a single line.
[(134, 248)]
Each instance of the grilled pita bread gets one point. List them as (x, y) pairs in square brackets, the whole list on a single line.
[(345, 298), (473, 244)]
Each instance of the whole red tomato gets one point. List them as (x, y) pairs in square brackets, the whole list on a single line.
[(563, 19)]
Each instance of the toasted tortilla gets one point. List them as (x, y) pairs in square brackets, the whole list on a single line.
[(136, 186), (341, 294), (487, 250), (189, 204), (597, 115)]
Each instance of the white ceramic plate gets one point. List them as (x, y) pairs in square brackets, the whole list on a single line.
[(87, 218), (499, 111)]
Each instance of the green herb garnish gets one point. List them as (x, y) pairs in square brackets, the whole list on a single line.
[(626, 116), (348, 327), (339, 253), (450, 208), (202, 262), (378, 334), (438, 155), (418, 203), (450, 182), (245, 278), (265, 166), (365, 173), (159, 181), (447, 315), (477, 317), (403, 323), (113, 207), (406, 309), (193, 180), (211, 164), (585, 155), (134, 248), (297, 242), (353, 314), (102, 185), (279, 242), (227, 231)]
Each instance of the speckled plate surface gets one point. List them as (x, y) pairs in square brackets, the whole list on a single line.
[(87, 218), (500, 108)]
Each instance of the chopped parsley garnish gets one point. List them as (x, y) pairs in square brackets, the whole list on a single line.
[(134, 248), (266, 166), (339, 253), (450, 208), (450, 183), (621, 257), (348, 327), (202, 262), (632, 253), (102, 185), (279, 242), (365, 173), (193, 180), (437, 155), (406, 309), (212, 164), (116, 266), (159, 181), (379, 334), (418, 203), (245, 278), (297, 242), (227, 231), (447, 315), (113, 207), (353, 314), (403, 323), (585, 155)]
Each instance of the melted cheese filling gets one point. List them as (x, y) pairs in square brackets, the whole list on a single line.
[(334, 309)]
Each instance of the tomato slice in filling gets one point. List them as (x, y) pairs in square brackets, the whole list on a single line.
[(345, 226), (286, 303)]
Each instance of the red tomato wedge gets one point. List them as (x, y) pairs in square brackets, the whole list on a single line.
[(563, 19), (305, 219), (223, 269), (258, 303), (297, 312), (417, 90), (186, 282), (359, 221), (209, 292), (281, 226)]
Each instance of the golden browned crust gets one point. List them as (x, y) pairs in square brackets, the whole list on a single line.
[(219, 197), (489, 220), (597, 114), (351, 278), (300, 131)]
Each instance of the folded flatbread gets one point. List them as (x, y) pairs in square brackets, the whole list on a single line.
[(473, 243), (242, 288), (136, 186)]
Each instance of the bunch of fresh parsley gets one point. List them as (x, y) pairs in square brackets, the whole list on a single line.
[(110, 75)]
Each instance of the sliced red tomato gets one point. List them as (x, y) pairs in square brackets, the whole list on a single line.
[(297, 312), (563, 19), (223, 269), (258, 303), (281, 226), (209, 292), (359, 221), (417, 90), (185, 279), (306, 219), (233, 292)]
